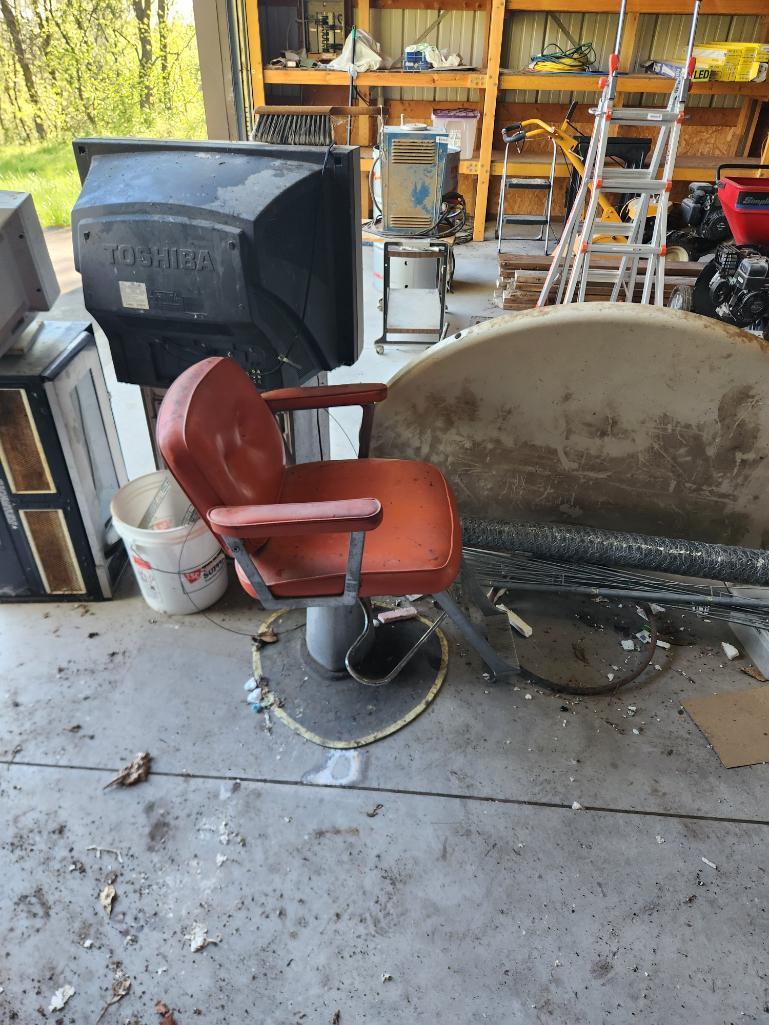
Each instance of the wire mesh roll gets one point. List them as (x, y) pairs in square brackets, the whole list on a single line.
[(614, 548)]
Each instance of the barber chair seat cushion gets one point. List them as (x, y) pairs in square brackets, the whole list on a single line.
[(417, 548)]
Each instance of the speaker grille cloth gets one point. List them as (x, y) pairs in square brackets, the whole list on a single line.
[(50, 543), (20, 450)]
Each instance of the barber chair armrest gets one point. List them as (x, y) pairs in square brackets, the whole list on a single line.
[(292, 518), (284, 400)]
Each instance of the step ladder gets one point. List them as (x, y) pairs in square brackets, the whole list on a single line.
[(509, 184), (621, 245)]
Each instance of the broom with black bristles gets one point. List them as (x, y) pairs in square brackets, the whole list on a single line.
[(302, 126)]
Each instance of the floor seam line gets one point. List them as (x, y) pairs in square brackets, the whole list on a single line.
[(403, 792)]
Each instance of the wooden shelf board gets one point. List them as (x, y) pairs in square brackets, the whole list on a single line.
[(537, 165), (534, 81), (756, 7), (410, 79)]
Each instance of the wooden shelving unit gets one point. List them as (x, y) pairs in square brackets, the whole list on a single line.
[(493, 79)]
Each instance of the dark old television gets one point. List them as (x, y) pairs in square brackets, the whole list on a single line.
[(196, 249)]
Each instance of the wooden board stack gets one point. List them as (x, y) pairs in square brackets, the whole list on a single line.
[(521, 278)]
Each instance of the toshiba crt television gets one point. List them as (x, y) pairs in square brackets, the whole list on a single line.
[(240, 249)]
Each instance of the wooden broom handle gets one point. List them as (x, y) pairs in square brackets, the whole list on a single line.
[(339, 111)]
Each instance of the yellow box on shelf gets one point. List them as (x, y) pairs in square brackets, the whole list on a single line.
[(735, 62)]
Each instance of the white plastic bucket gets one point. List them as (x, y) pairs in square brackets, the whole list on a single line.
[(177, 561)]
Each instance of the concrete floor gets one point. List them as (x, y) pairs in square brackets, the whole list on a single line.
[(476, 892)]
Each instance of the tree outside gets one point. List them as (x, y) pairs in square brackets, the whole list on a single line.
[(90, 67)]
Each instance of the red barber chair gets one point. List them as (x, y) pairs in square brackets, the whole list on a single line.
[(327, 536)]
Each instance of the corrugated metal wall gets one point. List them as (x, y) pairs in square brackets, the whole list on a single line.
[(526, 34), (462, 32), (659, 35)]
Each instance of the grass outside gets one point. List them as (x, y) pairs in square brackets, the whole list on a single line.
[(47, 171)]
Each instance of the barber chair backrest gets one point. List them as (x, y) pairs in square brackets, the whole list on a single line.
[(219, 438)]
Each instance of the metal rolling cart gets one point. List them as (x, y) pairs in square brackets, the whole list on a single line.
[(412, 312)]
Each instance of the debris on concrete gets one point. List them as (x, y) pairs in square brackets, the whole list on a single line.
[(628, 645), (135, 772), (734, 723), (249, 685), (121, 984), (165, 1012), (107, 898), (88, 944), (386, 977), (576, 806), (254, 698), (516, 622), (266, 635), (631, 711), (610, 677), (220, 860), (107, 850), (373, 812), (710, 864), (336, 1018), (74, 728), (754, 673), (60, 997), (199, 938), (662, 644), (730, 650), (528, 697), (397, 615), (659, 839)]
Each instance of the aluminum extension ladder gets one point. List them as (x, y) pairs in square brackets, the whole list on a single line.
[(620, 260)]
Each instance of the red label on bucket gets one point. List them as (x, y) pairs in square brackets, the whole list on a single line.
[(140, 562)]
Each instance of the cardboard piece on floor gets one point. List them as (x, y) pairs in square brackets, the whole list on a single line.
[(736, 724)]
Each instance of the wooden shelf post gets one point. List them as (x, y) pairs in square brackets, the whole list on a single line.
[(496, 25), (256, 60)]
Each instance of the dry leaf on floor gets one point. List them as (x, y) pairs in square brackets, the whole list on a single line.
[(373, 812), (135, 772), (198, 937), (337, 1018), (121, 984), (60, 998), (107, 898), (266, 635), (167, 1015)]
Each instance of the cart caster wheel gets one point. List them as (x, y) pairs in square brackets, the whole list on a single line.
[(379, 349)]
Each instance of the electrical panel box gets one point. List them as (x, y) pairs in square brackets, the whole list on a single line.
[(418, 170), (60, 465), (325, 27)]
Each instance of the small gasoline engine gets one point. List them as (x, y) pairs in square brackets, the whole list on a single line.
[(734, 286)]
